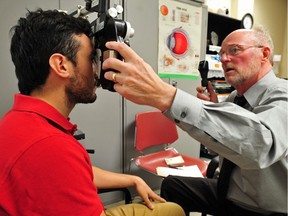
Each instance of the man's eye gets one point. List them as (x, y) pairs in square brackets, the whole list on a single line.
[(234, 50)]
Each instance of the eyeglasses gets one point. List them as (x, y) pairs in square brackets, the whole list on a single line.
[(236, 49)]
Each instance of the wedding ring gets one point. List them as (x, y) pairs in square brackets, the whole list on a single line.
[(114, 77)]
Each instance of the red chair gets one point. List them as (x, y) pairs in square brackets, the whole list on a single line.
[(154, 129)]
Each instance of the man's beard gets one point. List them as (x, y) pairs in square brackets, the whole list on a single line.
[(78, 91)]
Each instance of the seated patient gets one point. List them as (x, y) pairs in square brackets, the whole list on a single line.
[(43, 169)]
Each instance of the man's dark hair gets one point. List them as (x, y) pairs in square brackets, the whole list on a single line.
[(38, 36)]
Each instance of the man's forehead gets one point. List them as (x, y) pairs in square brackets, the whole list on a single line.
[(237, 37), (84, 41)]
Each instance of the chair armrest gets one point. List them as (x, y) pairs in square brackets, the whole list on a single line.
[(212, 167)]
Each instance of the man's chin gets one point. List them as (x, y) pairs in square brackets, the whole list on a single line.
[(87, 100), (95, 98), (92, 99)]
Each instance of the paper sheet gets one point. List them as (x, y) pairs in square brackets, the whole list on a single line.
[(188, 171)]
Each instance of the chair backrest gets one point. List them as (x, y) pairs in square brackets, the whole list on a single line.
[(153, 128)]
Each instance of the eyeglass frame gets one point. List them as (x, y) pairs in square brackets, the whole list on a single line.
[(239, 47)]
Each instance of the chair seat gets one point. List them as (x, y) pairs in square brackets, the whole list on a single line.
[(151, 161)]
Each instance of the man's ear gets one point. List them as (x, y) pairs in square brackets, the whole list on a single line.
[(60, 65), (266, 53)]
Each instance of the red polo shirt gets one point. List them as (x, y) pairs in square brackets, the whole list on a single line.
[(43, 169)]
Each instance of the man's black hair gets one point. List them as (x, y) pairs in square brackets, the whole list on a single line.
[(38, 36)]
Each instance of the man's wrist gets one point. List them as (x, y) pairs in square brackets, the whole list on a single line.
[(167, 100), (136, 180)]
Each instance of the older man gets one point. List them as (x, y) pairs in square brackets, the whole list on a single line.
[(251, 137)]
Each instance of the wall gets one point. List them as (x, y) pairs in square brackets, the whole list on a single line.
[(215, 5), (273, 15)]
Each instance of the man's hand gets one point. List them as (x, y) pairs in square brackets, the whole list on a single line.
[(107, 179), (136, 80), (146, 193), (212, 96)]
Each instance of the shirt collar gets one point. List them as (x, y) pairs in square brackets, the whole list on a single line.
[(258, 88), (30, 104)]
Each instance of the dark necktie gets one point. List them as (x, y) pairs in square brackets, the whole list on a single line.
[(226, 170)]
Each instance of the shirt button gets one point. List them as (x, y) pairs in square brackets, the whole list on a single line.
[(183, 114)]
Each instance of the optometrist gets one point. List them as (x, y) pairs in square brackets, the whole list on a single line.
[(253, 138)]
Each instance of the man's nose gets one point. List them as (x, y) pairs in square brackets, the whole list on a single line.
[(224, 57)]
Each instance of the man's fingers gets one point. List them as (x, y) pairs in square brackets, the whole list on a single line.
[(125, 51)]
